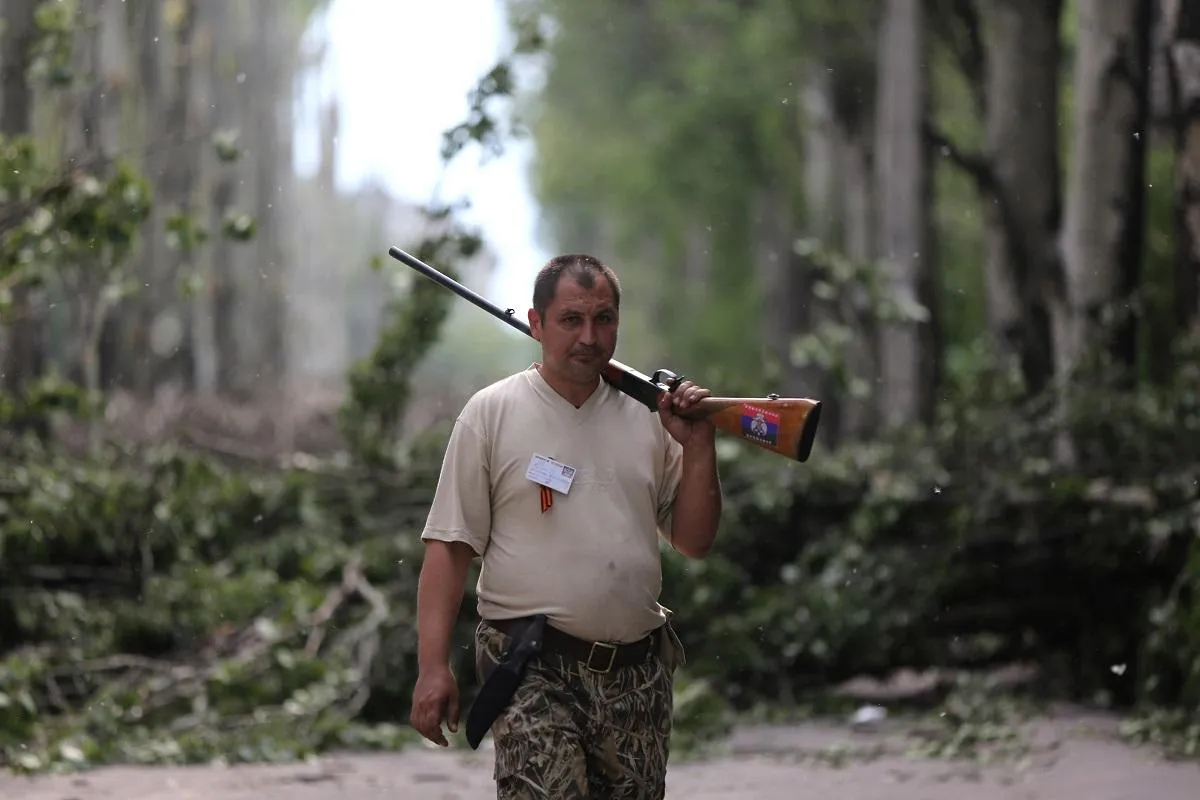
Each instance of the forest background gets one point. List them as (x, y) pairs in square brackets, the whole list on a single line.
[(970, 228)]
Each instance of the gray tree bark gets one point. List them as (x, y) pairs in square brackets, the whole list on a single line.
[(1102, 226), (1023, 204), (907, 349), (1102, 229), (23, 350), (786, 306), (1182, 22)]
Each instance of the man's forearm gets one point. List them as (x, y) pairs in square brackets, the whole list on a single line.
[(698, 503), (439, 597)]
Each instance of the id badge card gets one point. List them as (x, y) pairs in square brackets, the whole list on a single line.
[(554, 475)]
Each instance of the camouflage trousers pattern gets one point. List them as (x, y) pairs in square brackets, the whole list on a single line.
[(572, 733)]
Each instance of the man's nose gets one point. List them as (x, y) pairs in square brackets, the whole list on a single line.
[(587, 333)]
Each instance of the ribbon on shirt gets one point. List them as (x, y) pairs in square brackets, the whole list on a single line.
[(547, 498)]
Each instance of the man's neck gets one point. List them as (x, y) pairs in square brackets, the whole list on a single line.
[(574, 393)]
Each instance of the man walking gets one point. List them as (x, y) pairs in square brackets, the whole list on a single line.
[(563, 485)]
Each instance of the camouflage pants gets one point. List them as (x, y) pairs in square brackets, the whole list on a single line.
[(571, 733)]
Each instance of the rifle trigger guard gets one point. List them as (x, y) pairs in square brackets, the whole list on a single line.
[(664, 377)]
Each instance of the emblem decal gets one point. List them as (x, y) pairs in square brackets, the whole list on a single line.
[(760, 425)]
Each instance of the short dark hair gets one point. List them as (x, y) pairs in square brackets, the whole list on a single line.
[(578, 266)]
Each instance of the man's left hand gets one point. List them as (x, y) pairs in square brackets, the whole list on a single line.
[(688, 432)]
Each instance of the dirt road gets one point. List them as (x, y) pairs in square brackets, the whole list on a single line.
[(1074, 755)]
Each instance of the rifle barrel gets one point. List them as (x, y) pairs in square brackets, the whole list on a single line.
[(729, 413), (420, 266), (621, 376)]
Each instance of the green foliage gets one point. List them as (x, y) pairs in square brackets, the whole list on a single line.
[(380, 386), (1173, 732), (184, 233), (661, 141), (666, 123), (238, 226), (57, 224), (177, 611), (481, 126), (244, 621), (157, 607), (976, 721), (702, 717), (226, 146), (71, 231), (960, 547), (53, 44), (853, 299)]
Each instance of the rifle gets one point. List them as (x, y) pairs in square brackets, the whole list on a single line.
[(783, 425)]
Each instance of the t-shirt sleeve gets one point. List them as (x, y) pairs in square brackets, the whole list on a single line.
[(462, 510), (668, 486)]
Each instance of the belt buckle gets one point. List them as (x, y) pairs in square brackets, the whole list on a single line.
[(612, 656)]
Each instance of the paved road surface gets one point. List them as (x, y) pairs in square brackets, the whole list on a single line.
[(1075, 758)]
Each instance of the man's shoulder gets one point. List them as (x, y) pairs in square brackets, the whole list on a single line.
[(641, 419), (623, 401), (629, 405), (496, 394)]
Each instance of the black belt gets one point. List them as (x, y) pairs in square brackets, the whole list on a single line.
[(595, 656)]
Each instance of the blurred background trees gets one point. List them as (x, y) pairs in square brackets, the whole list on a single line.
[(1001, 168), (246, 282), (971, 228)]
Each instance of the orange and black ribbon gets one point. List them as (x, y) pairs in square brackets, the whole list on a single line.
[(547, 498)]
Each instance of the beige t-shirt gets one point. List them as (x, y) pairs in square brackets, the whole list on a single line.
[(591, 563)]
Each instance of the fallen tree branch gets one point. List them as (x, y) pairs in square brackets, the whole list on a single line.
[(115, 662), (366, 635), (175, 696), (24, 576), (333, 601)]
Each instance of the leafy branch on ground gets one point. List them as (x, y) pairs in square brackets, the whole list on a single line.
[(976, 722)]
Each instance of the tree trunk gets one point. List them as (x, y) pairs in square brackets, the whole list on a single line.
[(273, 165), (1103, 225), (822, 220), (207, 53), (1102, 231), (153, 257), (698, 264), (316, 285), (85, 112), (221, 288), (839, 189), (255, 362), (1022, 201), (786, 307), (23, 352), (177, 187), (1182, 21), (857, 413), (16, 93), (907, 348)]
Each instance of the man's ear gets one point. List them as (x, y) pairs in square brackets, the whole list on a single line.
[(535, 324)]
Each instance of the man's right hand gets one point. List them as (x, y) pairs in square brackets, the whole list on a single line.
[(439, 593), (435, 700)]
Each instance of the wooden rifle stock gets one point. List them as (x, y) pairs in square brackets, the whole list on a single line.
[(783, 425)]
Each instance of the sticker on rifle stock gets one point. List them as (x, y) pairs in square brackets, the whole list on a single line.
[(760, 425)]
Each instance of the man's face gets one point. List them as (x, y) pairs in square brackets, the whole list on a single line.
[(579, 330)]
